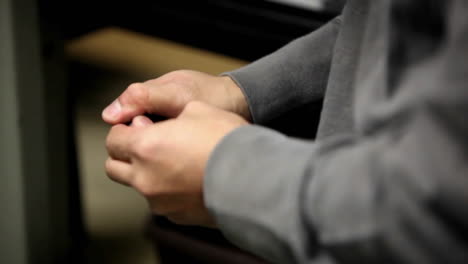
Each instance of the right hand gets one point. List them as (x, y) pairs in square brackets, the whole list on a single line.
[(168, 95)]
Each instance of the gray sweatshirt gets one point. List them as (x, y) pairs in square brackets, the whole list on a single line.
[(386, 180)]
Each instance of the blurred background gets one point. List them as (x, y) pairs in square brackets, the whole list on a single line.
[(62, 62), (115, 215)]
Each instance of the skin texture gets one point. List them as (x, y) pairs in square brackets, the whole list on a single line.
[(168, 95), (165, 161)]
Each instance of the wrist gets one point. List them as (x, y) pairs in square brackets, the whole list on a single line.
[(239, 103)]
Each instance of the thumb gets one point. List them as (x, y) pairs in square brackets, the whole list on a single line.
[(131, 103), (138, 99)]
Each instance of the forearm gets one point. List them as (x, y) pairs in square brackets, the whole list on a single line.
[(292, 201), (292, 77)]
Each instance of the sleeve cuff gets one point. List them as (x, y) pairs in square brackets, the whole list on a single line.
[(293, 76)]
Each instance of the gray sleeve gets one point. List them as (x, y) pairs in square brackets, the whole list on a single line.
[(293, 76), (369, 200), (396, 195)]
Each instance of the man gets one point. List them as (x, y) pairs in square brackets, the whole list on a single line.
[(386, 179)]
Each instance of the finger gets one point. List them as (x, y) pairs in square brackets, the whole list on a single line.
[(119, 142), (130, 103), (139, 98), (141, 121), (119, 171)]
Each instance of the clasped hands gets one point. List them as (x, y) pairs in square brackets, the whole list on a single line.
[(165, 161)]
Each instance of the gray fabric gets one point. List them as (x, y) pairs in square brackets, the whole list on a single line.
[(281, 80), (386, 181)]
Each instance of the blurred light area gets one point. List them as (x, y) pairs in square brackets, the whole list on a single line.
[(309, 4), (135, 53)]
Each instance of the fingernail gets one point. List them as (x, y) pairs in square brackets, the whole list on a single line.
[(113, 110)]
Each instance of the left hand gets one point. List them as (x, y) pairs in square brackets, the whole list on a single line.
[(166, 161)]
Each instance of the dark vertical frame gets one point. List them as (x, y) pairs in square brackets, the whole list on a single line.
[(34, 140), (13, 248)]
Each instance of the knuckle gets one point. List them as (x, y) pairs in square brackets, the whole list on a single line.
[(193, 106), (173, 75), (135, 93), (145, 148), (178, 78), (179, 75), (135, 88), (110, 136)]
